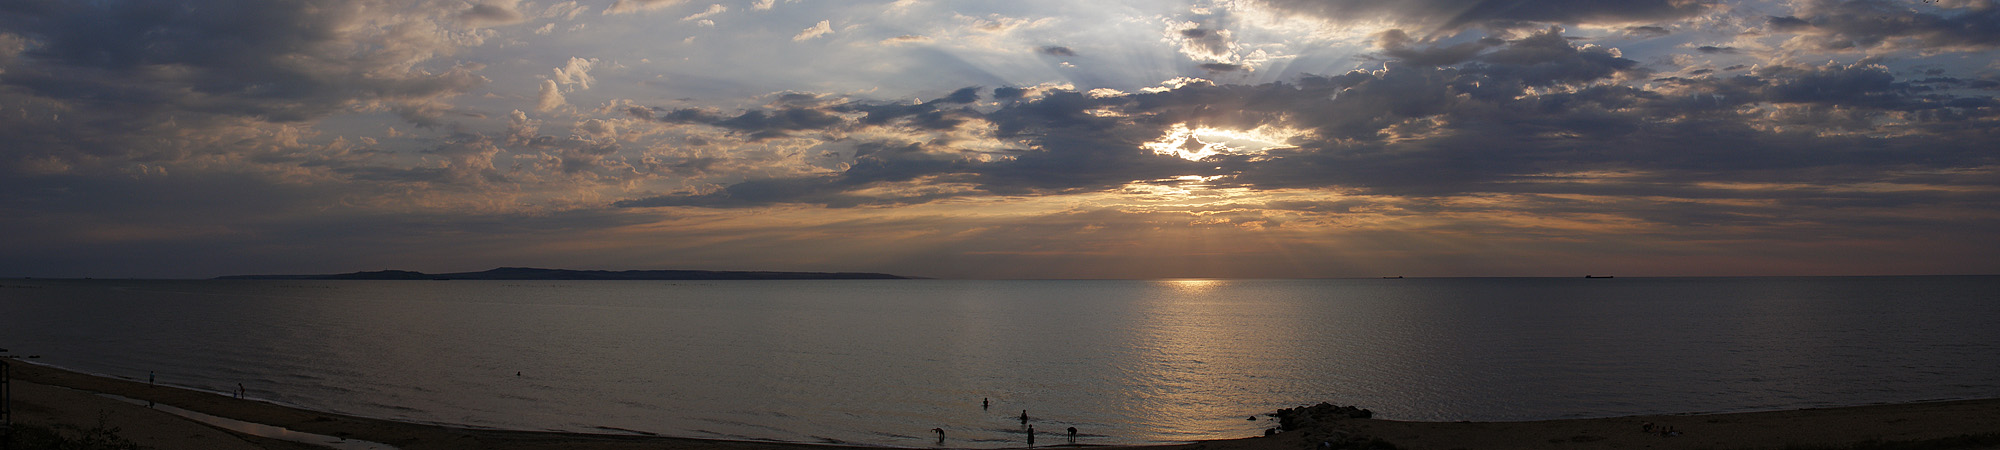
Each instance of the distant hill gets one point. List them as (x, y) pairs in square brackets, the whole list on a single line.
[(528, 273)]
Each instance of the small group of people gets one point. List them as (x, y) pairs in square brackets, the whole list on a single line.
[(1664, 430), (1031, 430), (987, 403)]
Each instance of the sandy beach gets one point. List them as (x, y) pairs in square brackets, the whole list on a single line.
[(45, 395)]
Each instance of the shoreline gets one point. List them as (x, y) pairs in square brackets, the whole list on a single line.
[(1928, 425)]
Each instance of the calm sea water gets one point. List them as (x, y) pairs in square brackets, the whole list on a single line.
[(883, 362)]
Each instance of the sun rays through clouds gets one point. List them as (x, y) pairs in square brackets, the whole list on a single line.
[(1254, 138)]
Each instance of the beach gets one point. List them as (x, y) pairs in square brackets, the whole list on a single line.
[(47, 395)]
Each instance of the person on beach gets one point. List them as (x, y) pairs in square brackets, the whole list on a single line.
[(1072, 435), (1024, 417), (985, 403), (240, 390), (940, 433), (1031, 435)]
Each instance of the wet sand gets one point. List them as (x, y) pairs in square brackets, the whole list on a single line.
[(48, 395)]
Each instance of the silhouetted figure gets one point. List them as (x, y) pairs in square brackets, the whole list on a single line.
[(149, 378), (985, 403), (240, 391), (1072, 435), (1024, 417), (940, 433), (1031, 435)]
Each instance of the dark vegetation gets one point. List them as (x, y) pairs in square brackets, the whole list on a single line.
[(69, 437)]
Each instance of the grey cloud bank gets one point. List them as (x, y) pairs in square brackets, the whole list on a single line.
[(320, 137)]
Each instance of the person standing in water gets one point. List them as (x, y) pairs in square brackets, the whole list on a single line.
[(1072, 435), (985, 403), (1024, 417)]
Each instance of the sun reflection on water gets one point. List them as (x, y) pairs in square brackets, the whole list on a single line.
[(1194, 357), (1195, 285)]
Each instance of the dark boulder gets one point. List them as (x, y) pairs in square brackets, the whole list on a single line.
[(1306, 416)]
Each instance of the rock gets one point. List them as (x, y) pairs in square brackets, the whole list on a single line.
[(1306, 416)]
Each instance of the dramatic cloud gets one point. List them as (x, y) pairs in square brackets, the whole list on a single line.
[(1265, 138), (1867, 24), (1473, 130), (1442, 15)]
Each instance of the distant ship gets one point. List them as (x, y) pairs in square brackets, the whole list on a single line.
[(1398, 277), (1594, 276)]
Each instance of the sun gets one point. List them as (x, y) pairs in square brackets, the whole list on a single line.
[(1195, 144)]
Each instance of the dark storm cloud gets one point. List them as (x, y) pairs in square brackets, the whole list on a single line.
[(1075, 151), (1398, 45), (1428, 16), (1547, 58), (818, 114), (286, 61), (490, 14), (1208, 43), (1868, 24), (962, 96), (1648, 31), (1855, 85), (789, 119), (1054, 50), (1788, 23), (757, 124), (1008, 93), (1489, 124), (1714, 49), (1221, 67), (874, 162), (122, 82), (1540, 59)]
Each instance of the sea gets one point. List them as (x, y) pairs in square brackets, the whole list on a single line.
[(883, 362)]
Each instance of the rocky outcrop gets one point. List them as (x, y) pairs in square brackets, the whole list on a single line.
[(1304, 417), (1318, 426)]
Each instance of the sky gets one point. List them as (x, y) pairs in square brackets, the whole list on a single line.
[(1016, 139)]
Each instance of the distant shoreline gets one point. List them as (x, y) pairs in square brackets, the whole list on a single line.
[(529, 273), (1923, 425)]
